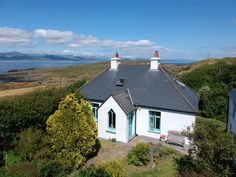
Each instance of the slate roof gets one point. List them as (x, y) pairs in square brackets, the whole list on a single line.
[(232, 95), (154, 89), (124, 100)]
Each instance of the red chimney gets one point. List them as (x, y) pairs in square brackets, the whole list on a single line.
[(156, 55), (116, 55)]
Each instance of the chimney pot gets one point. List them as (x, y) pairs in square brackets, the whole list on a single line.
[(116, 55), (156, 54)]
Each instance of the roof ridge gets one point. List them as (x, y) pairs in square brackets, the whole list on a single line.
[(178, 90), (130, 97)]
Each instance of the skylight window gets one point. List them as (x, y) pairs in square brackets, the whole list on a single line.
[(120, 82)]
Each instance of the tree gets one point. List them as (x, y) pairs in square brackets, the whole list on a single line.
[(72, 132), (214, 148)]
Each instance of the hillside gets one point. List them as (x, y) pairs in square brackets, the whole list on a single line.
[(212, 80)]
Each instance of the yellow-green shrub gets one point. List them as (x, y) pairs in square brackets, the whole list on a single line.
[(113, 168)]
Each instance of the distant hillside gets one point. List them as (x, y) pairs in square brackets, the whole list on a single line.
[(7, 56), (212, 79)]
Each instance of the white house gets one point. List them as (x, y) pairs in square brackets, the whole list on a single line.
[(132, 100), (231, 126)]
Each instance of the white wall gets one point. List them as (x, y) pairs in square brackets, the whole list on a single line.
[(121, 121), (169, 121), (114, 64), (231, 120)]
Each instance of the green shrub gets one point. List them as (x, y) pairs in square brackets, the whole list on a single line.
[(113, 168), (213, 83), (12, 157), (48, 168), (32, 109), (212, 148), (72, 132), (31, 142), (139, 154), (25, 169), (92, 172)]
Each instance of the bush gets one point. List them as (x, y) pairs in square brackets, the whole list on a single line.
[(72, 132), (31, 142), (213, 83), (139, 155), (113, 168), (213, 149), (92, 172), (48, 168), (12, 157), (32, 109), (25, 169)]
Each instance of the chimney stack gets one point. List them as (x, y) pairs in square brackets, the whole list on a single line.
[(115, 61), (155, 61)]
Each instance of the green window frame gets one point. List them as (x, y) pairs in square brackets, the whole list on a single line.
[(154, 121), (95, 111), (111, 121)]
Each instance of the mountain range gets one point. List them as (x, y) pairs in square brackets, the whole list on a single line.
[(17, 56)]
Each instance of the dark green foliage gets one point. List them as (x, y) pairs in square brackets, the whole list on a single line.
[(33, 143), (213, 83), (25, 169), (12, 157), (1, 159), (32, 109), (215, 150), (92, 172), (48, 168), (139, 154)]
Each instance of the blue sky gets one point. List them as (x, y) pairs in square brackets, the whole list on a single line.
[(186, 29)]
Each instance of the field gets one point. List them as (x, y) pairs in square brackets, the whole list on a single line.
[(23, 81)]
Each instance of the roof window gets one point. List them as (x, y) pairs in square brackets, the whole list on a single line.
[(120, 82)]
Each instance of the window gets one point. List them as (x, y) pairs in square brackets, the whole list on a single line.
[(95, 111), (111, 120), (154, 121)]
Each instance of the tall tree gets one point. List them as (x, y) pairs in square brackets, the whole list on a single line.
[(72, 132)]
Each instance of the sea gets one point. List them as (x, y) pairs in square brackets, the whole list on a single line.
[(8, 66)]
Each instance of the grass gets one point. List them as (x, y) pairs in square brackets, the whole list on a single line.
[(165, 168), (21, 91)]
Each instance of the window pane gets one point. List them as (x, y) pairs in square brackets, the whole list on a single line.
[(111, 119), (151, 123), (157, 126), (158, 114), (114, 120)]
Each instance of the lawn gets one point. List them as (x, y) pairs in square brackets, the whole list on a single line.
[(165, 168)]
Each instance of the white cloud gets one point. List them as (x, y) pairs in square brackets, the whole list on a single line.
[(55, 36), (14, 36), (72, 43)]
